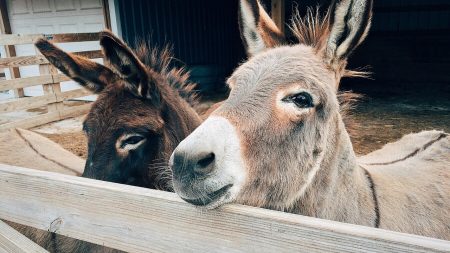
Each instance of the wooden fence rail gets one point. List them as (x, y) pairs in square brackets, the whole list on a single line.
[(53, 99), (13, 241), (142, 220), (21, 39)]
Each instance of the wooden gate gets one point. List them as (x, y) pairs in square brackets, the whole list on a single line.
[(53, 104)]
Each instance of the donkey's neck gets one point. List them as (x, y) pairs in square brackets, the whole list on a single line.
[(341, 189)]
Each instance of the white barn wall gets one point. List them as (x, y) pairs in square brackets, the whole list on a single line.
[(54, 16)]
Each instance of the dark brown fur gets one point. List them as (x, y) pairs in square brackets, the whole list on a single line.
[(138, 93)]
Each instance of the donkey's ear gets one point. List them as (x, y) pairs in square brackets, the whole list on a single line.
[(91, 75), (350, 22), (128, 66), (258, 31)]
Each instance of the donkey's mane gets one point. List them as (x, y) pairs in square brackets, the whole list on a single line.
[(313, 30), (160, 60)]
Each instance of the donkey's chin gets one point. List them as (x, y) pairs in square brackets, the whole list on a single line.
[(212, 199)]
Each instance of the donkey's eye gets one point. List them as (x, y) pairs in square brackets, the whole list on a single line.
[(301, 100), (132, 142)]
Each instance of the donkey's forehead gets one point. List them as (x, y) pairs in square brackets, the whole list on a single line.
[(121, 110), (283, 65)]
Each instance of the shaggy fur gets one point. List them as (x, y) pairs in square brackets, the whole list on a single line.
[(139, 96), (299, 158), (160, 60)]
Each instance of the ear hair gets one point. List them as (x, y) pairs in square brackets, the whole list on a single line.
[(350, 22), (258, 31), (91, 75), (122, 59)]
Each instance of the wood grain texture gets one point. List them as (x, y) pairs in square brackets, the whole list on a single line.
[(12, 241), (53, 88), (20, 39), (47, 117), (24, 103), (5, 28), (143, 220), (20, 61), (32, 81), (278, 14), (18, 104), (49, 79), (25, 82)]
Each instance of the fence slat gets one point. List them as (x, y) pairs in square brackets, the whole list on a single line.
[(72, 94), (20, 61), (32, 81), (24, 103), (18, 104), (49, 79), (25, 82), (20, 39), (13, 241), (135, 219), (60, 78)]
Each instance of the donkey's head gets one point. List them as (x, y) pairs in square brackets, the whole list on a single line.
[(130, 127), (264, 145)]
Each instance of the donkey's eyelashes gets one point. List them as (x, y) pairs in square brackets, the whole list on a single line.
[(132, 140), (129, 142), (301, 100)]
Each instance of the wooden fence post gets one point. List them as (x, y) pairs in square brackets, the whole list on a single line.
[(53, 88), (5, 28), (13, 241), (278, 7)]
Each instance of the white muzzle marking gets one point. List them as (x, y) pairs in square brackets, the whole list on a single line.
[(217, 135)]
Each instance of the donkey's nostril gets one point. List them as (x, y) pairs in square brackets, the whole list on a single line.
[(204, 165)]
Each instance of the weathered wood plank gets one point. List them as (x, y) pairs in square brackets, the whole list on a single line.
[(10, 51), (106, 14), (47, 117), (20, 39), (13, 241), (25, 82), (60, 78), (53, 88), (72, 94), (18, 104), (24, 103), (32, 81), (20, 61), (142, 220), (278, 14)]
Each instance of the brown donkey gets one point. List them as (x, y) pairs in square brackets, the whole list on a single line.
[(279, 140), (140, 115), (142, 112)]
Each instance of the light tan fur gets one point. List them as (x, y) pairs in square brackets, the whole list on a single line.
[(300, 159)]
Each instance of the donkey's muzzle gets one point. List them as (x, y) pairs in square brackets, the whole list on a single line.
[(206, 166)]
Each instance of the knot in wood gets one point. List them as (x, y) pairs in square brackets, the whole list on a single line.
[(55, 225)]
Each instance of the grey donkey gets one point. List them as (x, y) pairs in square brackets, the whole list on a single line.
[(279, 140)]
